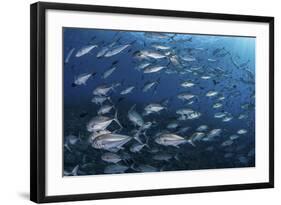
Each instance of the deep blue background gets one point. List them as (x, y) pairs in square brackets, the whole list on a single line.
[(77, 100)]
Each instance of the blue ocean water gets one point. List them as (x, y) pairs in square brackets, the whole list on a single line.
[(224, 65)]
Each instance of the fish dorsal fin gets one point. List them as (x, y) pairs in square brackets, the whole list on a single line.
[(116, 119)]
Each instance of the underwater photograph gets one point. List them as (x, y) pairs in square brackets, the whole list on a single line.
[(137, 101)]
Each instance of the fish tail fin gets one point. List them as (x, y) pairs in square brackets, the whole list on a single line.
[(146, 142), (190, 141), (146, 145), (137, 138), (116, 119), (177, 157), (75, 170), (115, 85), (67, 147), (133, 166)]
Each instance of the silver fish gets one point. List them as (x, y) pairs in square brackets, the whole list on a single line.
[(202, 128), (127, 90), (174, 60), (153, 108), (105, 109), (84, 50), (197, 136), (116, 50), (227, 118), (160, 47), (102, 52), (102, 90), (211, 60), (227, 143), (217, 105), (153, 69), (73, 172), (185, 96), (135, 117), (187, 84), (233, 137), (184, 111), (137, 147), (144, 168), (69, 55), (212, 134), (101, 123), (97, 133), (188, 58), (211, 93), (147, 86), (115, 169), (242, 116), (220, 114), (195, 68), (82, 78), (71, 139), (170, 140), (242, 131), (111, 142), (152, 54), (99, 99), (183, 130), (163, 157), (221, 98), (111, 157), (173, 125), (157, 35), (143, 66), (108, 72), (206, 77), (188, 114)]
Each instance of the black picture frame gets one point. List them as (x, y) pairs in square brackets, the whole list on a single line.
[(38, 99)]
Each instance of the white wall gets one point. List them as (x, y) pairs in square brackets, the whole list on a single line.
[(14, 101)]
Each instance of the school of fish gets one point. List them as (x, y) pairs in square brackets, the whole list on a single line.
[(158, 136)]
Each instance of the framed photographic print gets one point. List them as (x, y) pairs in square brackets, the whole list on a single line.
[(129, 102)]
